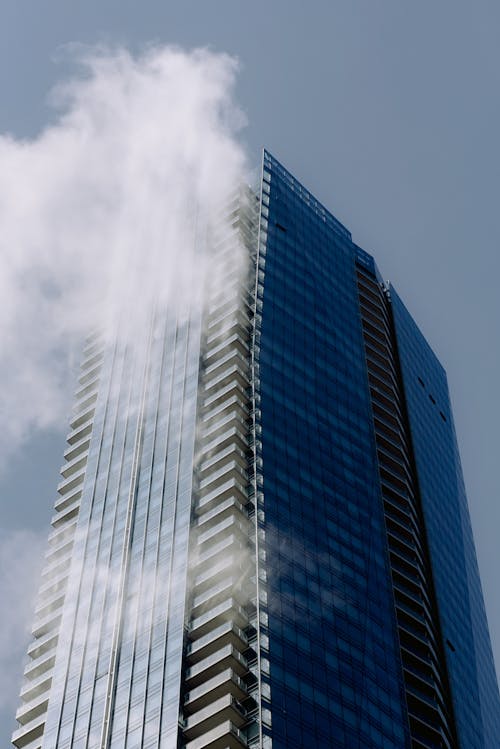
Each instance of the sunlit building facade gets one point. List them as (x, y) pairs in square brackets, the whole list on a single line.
[(261, 537)]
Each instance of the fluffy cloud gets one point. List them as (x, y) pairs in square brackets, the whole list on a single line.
[(101, 212)]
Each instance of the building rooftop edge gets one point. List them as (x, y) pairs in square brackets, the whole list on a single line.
[(311, 199)]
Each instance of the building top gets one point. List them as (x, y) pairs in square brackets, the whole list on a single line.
[(296, 187)]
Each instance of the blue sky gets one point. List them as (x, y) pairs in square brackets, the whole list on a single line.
[(389, 113)]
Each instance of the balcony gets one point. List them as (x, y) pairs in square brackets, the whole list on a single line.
[(405, 543), (55, 569), (226, 508), (71, 483), (61, 547), (29, 733), (85, 403), (235, 418), (87, 389), (232, 388), (225, 634), (47, 605), (227, 611), (227, 682), (68, 498), (232, 356), (32, 689), (231, 436), (78, 448), (32, 711), (82, 418), (232, 341), (225, 304), (81, 431), (226, 657), (231, 312), (48, 624), (223, 329), (67, 513), (230, 488), (228, 469), (393, 481), (226, 708), (235, 372), (223, 567), (90, 370), (224, 736), (73, 466), (219, 458), (230, 524), (394, 458), (42, 645), (233, 400), (229, 547), (36, 743), (234, 289), (52, 583), (230, 586), (36, 667)]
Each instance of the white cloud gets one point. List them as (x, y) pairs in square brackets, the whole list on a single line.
[(101, 205)]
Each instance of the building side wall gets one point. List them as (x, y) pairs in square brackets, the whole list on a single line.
[(458, 589), (118, 666), (221, 673), (334, 669), (53, 593)]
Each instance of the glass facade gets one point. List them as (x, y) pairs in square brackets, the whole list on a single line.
[(335, 675), (262, 536), (117, 673), (461, 609)]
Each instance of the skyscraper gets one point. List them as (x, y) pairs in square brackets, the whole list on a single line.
[(261, 536)]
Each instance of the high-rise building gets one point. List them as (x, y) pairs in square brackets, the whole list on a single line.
[(261, 536)]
